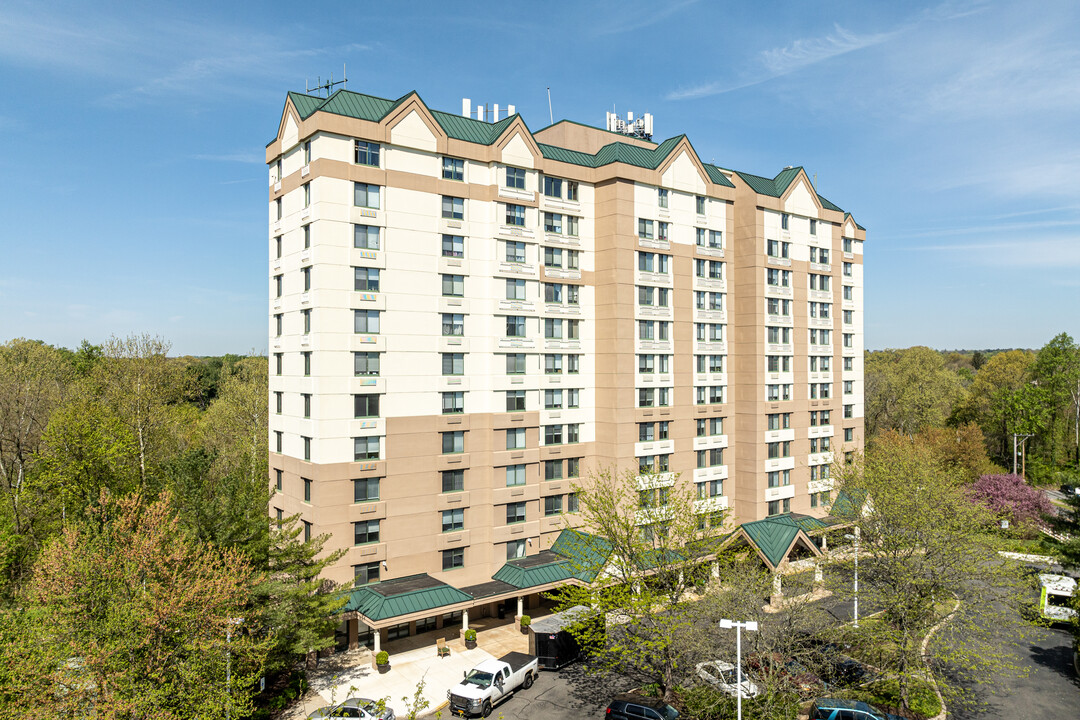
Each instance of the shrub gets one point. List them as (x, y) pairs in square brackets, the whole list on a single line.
[(383, 658), (1010, 498), (470, 635), (526, 621)]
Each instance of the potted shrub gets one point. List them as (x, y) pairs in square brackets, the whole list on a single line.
[(526, 621), (382, 660), (470, 638)]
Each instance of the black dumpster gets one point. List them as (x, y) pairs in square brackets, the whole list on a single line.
[(552, 643)]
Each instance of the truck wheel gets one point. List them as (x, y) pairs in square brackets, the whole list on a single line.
[(528, 681), (486, 709)]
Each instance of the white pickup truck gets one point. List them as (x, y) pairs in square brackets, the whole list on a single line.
[(490, 682)]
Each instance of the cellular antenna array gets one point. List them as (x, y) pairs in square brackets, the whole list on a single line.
[(641, 128)]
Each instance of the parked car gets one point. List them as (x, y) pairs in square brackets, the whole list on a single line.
[(836, 668), (722, 676), (361, 708), (787, 670), (490, 682), (829, 709), (628, 706)]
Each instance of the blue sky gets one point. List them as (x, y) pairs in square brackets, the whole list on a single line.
[(134, 189)]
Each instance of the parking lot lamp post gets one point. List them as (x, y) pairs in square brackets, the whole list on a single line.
[(228, 664), (855, 537), (751, 626)]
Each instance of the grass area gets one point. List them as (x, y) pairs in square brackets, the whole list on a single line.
[(885, 695), (1030, 546)]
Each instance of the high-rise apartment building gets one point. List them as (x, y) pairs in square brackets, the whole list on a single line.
[(465, 316)]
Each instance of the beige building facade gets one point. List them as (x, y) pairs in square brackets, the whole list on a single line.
[(466, 317)]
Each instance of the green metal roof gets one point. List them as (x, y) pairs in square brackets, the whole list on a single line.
[(717, 176), (403, 596), (541, 569), (460, 127), (810, 524), (772, 536), (847, 505), (588, 554), (760, 185), (828, 205), (784, 179)]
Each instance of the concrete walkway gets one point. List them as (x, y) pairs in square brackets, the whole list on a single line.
[(345, 675)]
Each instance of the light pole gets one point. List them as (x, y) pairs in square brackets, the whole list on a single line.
[(228, 663), (855, 537), (751, 626)]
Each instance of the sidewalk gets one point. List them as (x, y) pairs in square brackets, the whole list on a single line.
[(345, 675)]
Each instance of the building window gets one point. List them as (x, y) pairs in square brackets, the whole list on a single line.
[(453, 208), (367, 153), (847, 269), (515, 215), (307, 489), (307, 194), (365, 406), (572, 502), (780, 421), (453, 324), (662, 197), (515, 289), (553, 434), (366, 196), (306, 355), (453, 403), (453, 480), (785, 220), (278, 324), (663, 231), (572, 190), (515, 475), (306, 397), (515, 251), (366, 531), (278, 396), (277, 247), (365, 448), (847, 244), (307, 447), (515, 438), (306, 316), (515, 363), (365, 321), (813, 226), (365, 490), (515, 512), (278, 438), (849, 434), (699, 203), (553, 470), (553, 399), (453, 168), (277, 479), (709, 426), (515, 326), (453, 559), (453, 363), (645, 230), (307, 531), (278, 282), (453, 285), (307, 236), (365, 363), (365, 237), (278, 206), (710, 458), (515, 178), (515, 549), (365, 279), (453, 519), (366, 573), (453, 246), (553, 505), (553, 223)]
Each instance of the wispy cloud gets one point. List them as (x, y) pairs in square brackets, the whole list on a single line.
[(240, 157), (1057, 253), (643, 19), (799, 54)]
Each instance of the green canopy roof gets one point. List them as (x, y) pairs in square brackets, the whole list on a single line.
[(772, 536), (848, 505), (540, 569), (403, 596), (588, 554)]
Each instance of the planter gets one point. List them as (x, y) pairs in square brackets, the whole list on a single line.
[(470, 644), (383, 669)]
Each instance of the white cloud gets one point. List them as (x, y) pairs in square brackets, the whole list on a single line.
[(808, 51), (644, 18)]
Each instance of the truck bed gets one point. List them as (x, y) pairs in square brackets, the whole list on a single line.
[(517, 660)]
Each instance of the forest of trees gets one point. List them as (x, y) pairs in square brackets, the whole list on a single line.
[(136, 552), (981, 399)]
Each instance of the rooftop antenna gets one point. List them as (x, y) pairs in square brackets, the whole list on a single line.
[(329, 85), (551, 116)]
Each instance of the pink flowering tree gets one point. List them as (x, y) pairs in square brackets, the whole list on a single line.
[(1010, 498)]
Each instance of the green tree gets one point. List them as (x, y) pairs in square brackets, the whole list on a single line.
[(1057, 372), (908, 390), (34, 379), (129, 618), (923, 544), (300, 606), (991, 399), (646, 549)]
